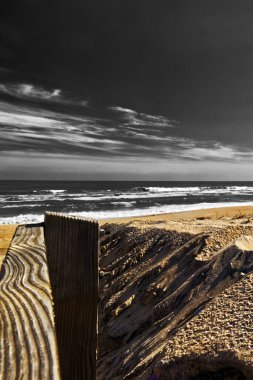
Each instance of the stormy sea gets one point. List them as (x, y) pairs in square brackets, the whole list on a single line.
[(27, 201)]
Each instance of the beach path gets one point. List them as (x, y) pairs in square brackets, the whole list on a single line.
[(27, 334), (34, 310)]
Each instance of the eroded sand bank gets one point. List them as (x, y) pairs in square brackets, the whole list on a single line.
[(177, 296)]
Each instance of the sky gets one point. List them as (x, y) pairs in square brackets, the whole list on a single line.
[(126, 90)]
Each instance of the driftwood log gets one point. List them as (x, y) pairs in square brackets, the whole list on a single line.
[(72, 254), (28, 348)]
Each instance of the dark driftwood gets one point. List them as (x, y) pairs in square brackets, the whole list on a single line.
[(28, 347), (72, 253)]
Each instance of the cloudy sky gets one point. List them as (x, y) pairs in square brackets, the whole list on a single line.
[(135, 89)]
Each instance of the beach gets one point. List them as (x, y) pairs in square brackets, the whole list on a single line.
[(193, 221), (176, 294), (213, 215), (6, 234)]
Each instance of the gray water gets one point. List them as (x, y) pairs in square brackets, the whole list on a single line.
[(27, 201)]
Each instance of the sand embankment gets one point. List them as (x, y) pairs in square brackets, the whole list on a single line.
[(176, 296)]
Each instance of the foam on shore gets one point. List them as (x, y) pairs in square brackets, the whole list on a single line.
[(127, 212)]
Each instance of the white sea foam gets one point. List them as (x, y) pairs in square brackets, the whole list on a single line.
[(35, 197), (25, 205), (56, 191), (163, 192), (155, 210), (171, 189), (200, 189), (136, 193)]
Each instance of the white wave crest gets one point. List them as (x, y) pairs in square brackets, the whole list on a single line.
[(155, 210), (56, 191)]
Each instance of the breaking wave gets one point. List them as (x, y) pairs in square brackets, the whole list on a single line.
[(155, 210)]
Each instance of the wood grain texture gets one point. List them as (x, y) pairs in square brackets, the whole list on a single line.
[(28, 347), (72, 253)]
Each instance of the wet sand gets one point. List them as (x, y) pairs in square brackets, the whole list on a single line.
[(214, 216)]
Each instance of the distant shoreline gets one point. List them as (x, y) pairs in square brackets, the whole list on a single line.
[(214, 212)]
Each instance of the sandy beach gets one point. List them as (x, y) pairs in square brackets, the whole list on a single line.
[(179, 221), (169, 285), (6, 234), (211, 213), (175, 289)]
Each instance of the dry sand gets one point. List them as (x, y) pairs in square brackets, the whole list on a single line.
[(6, 233), (176, 296)]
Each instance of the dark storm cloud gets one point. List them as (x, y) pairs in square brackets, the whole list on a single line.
[(109, 78)]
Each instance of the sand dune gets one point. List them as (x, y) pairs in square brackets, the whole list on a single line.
[(176, 297)]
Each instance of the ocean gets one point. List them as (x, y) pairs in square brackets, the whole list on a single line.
[(27, 201)]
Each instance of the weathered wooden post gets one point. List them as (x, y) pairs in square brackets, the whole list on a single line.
[(72, 255)]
